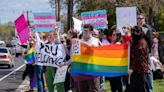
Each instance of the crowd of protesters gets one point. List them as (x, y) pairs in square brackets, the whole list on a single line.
[(144, 60)]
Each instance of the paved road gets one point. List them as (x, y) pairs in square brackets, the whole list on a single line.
[(10, 80)]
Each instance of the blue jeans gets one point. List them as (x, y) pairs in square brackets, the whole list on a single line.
[(150, 76), (102, 83), (150, 81), (39, 77)]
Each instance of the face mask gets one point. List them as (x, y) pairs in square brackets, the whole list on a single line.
[(86, 36), (144, 29), (125, 30)]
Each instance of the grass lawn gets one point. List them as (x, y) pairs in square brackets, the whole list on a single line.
[(158, 85)]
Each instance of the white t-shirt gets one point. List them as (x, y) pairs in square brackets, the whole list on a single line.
[(155, 63), (94, 41)]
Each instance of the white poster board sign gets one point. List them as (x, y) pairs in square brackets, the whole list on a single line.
[(77, 24), (60, 74), (60, 27), (49, 54), (126, 15), (75, 47)]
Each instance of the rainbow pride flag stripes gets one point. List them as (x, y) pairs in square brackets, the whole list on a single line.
[(29, 57), (110, 60)]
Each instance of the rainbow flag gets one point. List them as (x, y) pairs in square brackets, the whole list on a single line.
[(110, 61), (29, 57)]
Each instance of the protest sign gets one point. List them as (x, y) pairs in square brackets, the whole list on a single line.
[(96, 18), (60, 27), (77, 25), (60, 74), (125, 15), (22, 29), (75, 47), (44, 22), (50, 55)]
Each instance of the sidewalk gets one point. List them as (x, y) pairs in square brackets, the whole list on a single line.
[(24, 87)]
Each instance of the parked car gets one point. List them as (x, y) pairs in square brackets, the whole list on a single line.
[(2, 44), (11, 48), (6, 57), (17, 47)]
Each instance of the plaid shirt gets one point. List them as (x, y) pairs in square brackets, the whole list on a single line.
[(139, 56)]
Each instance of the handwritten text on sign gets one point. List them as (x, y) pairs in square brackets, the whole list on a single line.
[(96, 18), (75, 47), (126, 15), (60, 74), (22, 29), (50, 55)]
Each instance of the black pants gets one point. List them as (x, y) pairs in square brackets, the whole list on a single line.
[(91, 85), (29, 71), (67, 84), (139, 83), (116, 84), (158, 74)]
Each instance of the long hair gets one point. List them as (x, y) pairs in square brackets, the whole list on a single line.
[(119, 37), (74, 33), (137, 34)]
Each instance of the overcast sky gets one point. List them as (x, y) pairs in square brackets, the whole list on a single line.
[(11, 9)]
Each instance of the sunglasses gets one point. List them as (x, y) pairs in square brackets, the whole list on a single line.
[(114, 34), (140, 18), (94, 34), (62, 41), (124, 27), (86, 30)]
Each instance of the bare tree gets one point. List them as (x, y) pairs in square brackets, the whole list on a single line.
[(55, 4)]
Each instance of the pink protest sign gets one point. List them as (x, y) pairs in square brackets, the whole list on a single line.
[(22, 29)]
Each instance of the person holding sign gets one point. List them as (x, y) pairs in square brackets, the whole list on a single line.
[(38, 71), (139, 69), (72, 34), (53, 37), (127, 30), (89, 83), (147, 29), (67, 62), (116, 82), (29, 61)]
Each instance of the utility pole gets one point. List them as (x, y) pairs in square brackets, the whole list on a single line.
[(58, 10), (55, 9), (55, 4), (27, 15), (70, 14)]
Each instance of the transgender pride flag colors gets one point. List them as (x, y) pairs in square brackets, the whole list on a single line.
[(96, 18), (44, 22)]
